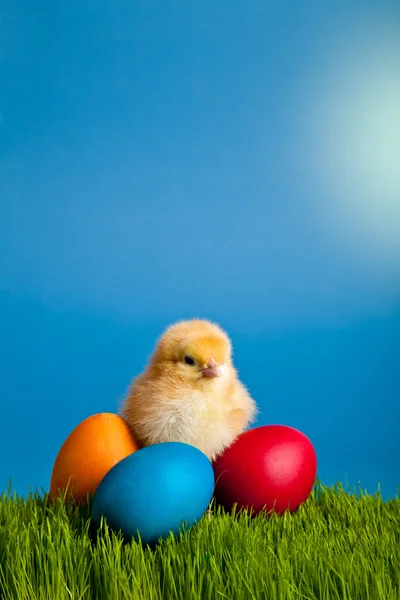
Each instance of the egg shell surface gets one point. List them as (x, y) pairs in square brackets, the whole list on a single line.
[(272, 466), (89, 452), (155, 490)]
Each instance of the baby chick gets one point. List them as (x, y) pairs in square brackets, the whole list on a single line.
[(190, 391)]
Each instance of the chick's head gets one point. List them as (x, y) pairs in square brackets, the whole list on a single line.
[(196, 351)]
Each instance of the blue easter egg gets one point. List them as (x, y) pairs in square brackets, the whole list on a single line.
[(154, 490)]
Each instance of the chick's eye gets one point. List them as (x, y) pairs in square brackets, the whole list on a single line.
[(189, 360)]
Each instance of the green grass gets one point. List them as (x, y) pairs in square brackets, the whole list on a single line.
[(337, 546)]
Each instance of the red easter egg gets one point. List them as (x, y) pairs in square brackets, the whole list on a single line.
[(271, 467)]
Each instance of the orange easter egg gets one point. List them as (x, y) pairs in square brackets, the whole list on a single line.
[(88, 453)]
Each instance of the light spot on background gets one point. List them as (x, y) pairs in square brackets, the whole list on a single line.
[(352, 138)]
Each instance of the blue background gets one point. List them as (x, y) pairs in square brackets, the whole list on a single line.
[(171, 159)]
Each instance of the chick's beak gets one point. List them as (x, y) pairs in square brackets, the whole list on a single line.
[(211, 369)]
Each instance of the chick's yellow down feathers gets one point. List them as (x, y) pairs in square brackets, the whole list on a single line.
[(190, 391)]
